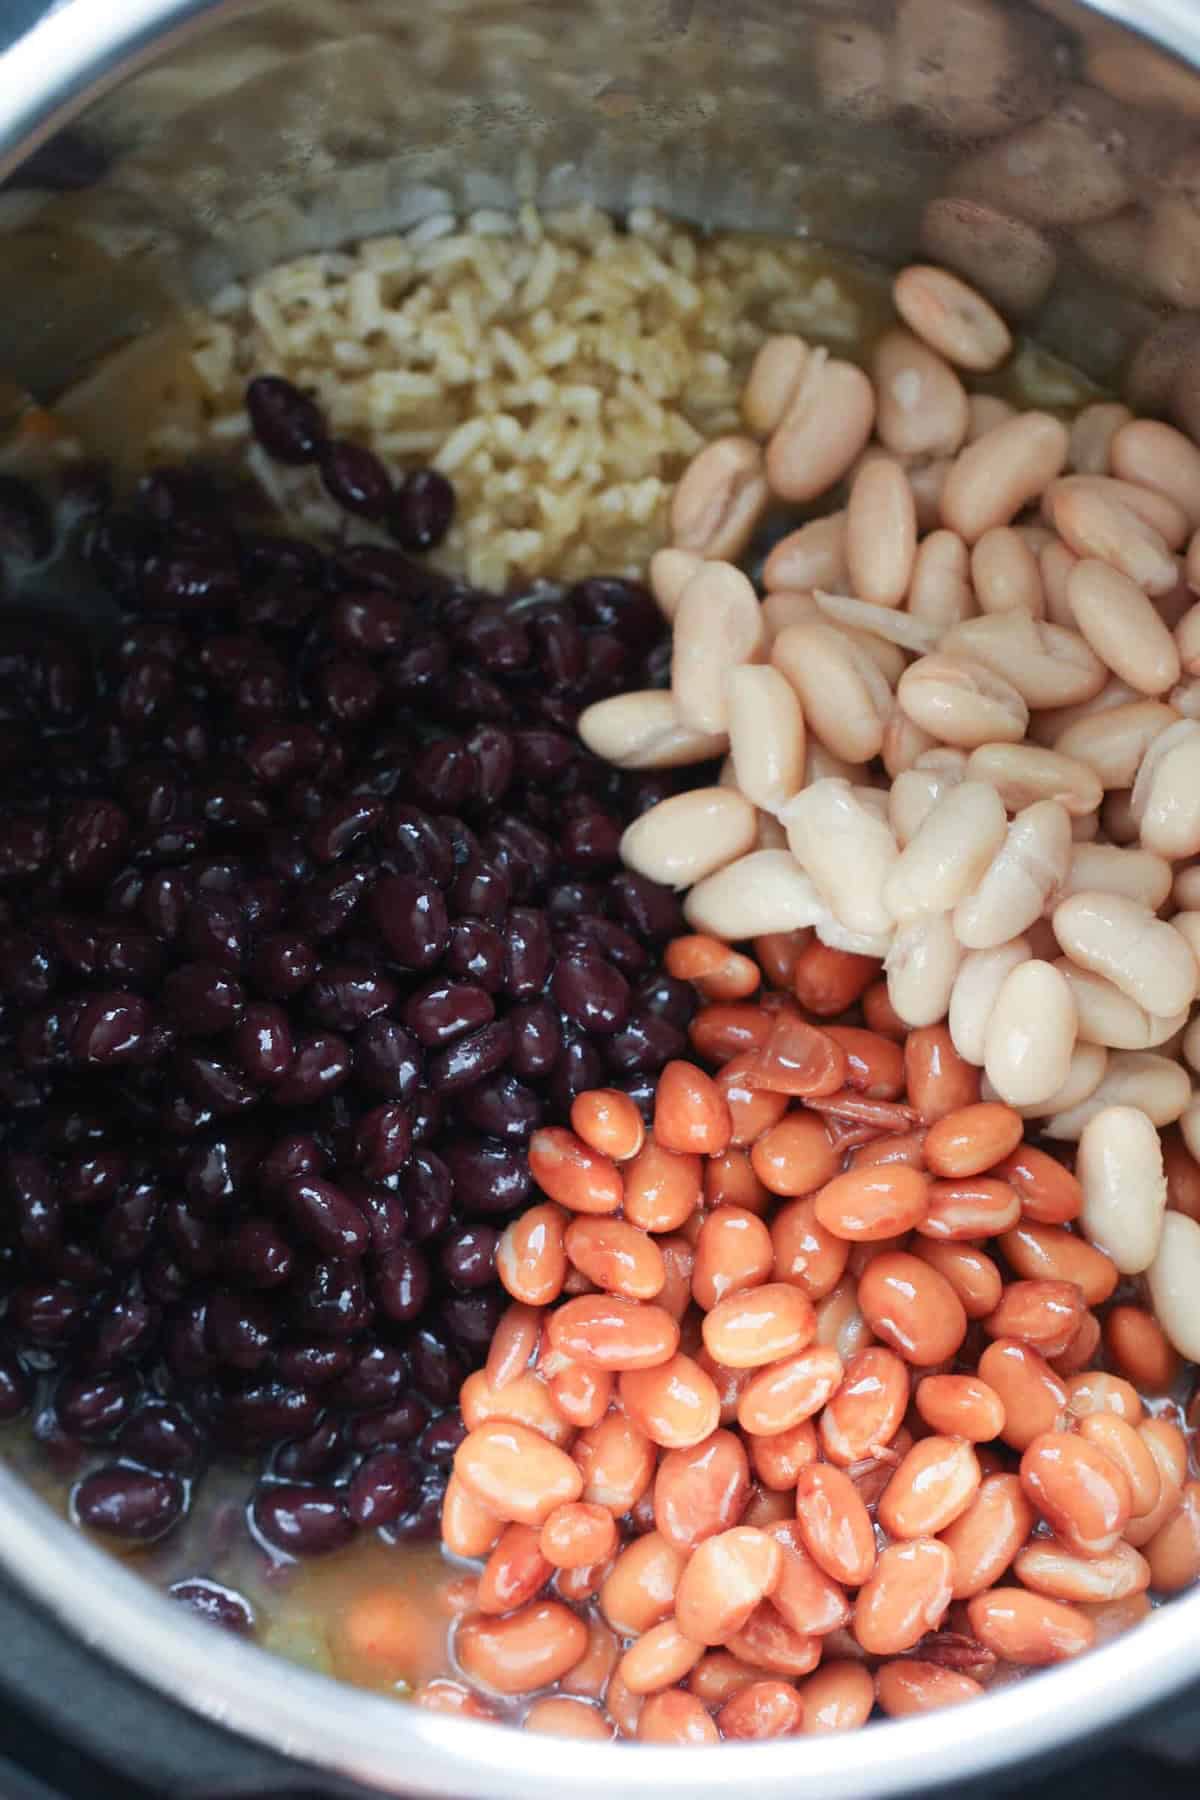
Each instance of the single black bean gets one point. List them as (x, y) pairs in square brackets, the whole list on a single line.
[(668, 997), (438, 1370), (91, 841), (286, 422), (489, 1176), (36, 1204), (46, 1316), (428, 1190), (387, 1059), (126, 1503), (441, 1011), (93, 1409), (129, 1224), (648, 909), (240, 1330), (383, 1138), (592, 992), (644, 1044), (283, 964), (428, 1116), (373, 623), (472, 1058), (319, 1067), (327, 1217), (355, 478), (528, 955), (441, 1437), (418, 844), (16, 1389), (444, 775), (400, 1283), (379, 1377), (291, 1156), (262, 1042), (409, 913), (501, 1107), (383, 1488), (495, 759), (345, 994), (468, 1256), (216, 1604), (301, 1521), (471, 1319), (591, 840), (421, 510), (333, 1300), (201, 999), (537, 1039), (399, 1424), (475, 953), (319, 1452), (125, 1329), (264, 1413), (343, 826), (312, 1363)]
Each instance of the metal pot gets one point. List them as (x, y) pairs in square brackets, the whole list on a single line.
[(211, 137)]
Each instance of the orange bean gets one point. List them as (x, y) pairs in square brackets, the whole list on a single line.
[(1093, 1390), (912, 1686), (616, 1461), (608, 1122), (729, 1180), (468, 1527), (778, 1460), (729, 1383), (866, 1412), (1167, 1445), (1033, 1397), (718, 971), (1080, 1349), (765, 1709), (1077, 1490), (558, 1717), (1173, 1553), (444, 1696), (938, 1079), (515, 1472), (905, 1596), (834, 1524), (513, 1343), (798, 1059), (764, 1508), (912, 1308), (620, 1258), (874, 1064), (795, 1156), (662, 1189), (675, 1404), (1020, 1627), (900, 1147), (602, 1331), (784, 1393), (970, 1271), (577, 1585), (807, 1255), (880, 1015), (828, 982), (641, 1588), (701, 1491), (985, 1538), (723, 1581), (973, 1207), (1049, 1193), (805, 1596), (691, 1115), (1116, 1438), (1045, 1314), (767, 1641), (719, 1675), (625, 1709), (1050, 1568), (933, 1485), (571, 1172), (840, 1324), (578, 1534), (960, 1406), (674, 1717), (523, 1651), (530, 1259), (733, 1253), (514, 1572), (973, 1139), (866, 1205), (1139, 1347), (720, 1032), (746, 1330), (752, 1110), (838, 1696), (1050, 1253), (642, 1516), (1114, 1617), (679, 1260), (581, 1395), (658, 1659)]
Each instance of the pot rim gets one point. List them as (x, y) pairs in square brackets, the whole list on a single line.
[(51, 74)]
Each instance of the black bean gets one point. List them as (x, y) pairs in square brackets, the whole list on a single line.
[(283, 964), (469, 1059), (592, 992), (527, 952), (91, 1408), (125, 1329), (644, 1044), (288, 1157), (489, 1176), (444, 775), (286, 422), (441, 1011), (319, 1067), (468, 1256), (16, 1389), (382, 1488), (355, 478), (501, 1107), (475, 953), (495, 759), (36, 1205), (333, 1300), (46, 1317), (442, 1436), (302, 1521), (263, 1413), (400, 1283), (239, 1330), (379, 1377), (410, 915), (216, 1604), (422, 510), (262, 1042), (537, 1039), (371, 622), (428, 1195), (399, 1424), (383, 1139), (312, 1364), (651, 911), (127, 1503), (437, 1369), (327, 1217), (201, 999), (162, 1437), (668, 997), (387, 1059)]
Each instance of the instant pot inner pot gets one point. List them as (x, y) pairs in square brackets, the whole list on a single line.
[(1047, 153)]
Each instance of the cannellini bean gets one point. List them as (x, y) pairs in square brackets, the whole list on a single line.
[(1123, 941), (1055, 563), (977, 985), (951, 317), (940, 591), (718, 625), (773, 381), (1049, 726), (913, 796), (824, 429), (880, 630), (846, 849), (1157, 456), (689, 836), (1005, 574), (844, 696), (881, 533), (1096, 527), (670, 571), (642, 730), (1154, 1083), (1153, 509), (1121, 625), (903, 743), (813, 556), (1166, 793), (921, 966), (922, 402), (1109, 1017), (1187, 640), (1114, 742), (1088, 1067), (1119, 1165), (786, 607), (948, 854), (765, 891), (766, 736), (1029, 868), (1048, 665), (1092, 434), (720, 499), (1030, 1034), (1002, 472), (1173, 1279), (962, 702), (1025, 773)]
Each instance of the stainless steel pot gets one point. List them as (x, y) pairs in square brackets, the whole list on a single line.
[(218, 135)]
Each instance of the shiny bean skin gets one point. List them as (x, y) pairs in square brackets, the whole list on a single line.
[(1120, 1169), (972, 1140), (675, 1404), (838, 1696), (765, 1709), (844, 696), (922, 402), (766, 735), (576, 1535), (701, 1491), (674, 1717), (1030, 1034), (813, 556), (1045, 1314), (1002, 471), (718, 1676), (1094, 1391), (752, 1110), (951, 317), (580, 1395), (1051, 1253), (572, 1173), (516, 1473), (934, 1483), (939, 1079), (1173, 1553), (806, 1255), (717, 626), (1121, 625), (1139, 1348), (1078, 1490), (906, 1595), (1171, 1280), (616, 1461), (1021, 1627), (726, 1578), (719, 499), (514, 1572), (865, 1205), (794, 1156), (640, 1590), (618, 1257), (733, 1252), (607, 1332), (768, 1641), (531, 1257), (747, 1330), (912, 1308), (689, 836), (881, 532), (961, 702), (911, 1686), (777, 1461), (1156, 456), (557, 1716), (1049, 1568), (804, 455), (662, 1188), (981, 975), (1168, 1447), (524, 1400), (866, 1411), (659, 1659), (960, 1406), (468, 1527), (970, 1271), (834, 1524), (1033, 1396), (1050, 1194), (608, 1122), (691, 1116), (524, 1651), (808, 1599), (783, 1394), (969, 1209), (987, 1535), (1005, 574)]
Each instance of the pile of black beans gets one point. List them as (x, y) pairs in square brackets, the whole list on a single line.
[(310, 912)]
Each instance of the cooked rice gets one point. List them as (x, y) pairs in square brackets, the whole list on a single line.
[(560, 369)]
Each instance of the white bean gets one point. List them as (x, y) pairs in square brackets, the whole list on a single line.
[(1109, 1017), (1113, 742), (940, 592), (847, 849), (1123, 941), (670, 572), (881, 532), (1153, 509), (981, 975), (949, 853), (824, 429), (641, 730), (1101, 529), (1001, 472), (812, 556), (902, 743), (1005, 574), (1166, 793), (844, 696), (1089, 1065), (1049, 726), (921, 965), (1173, 1279), (689, 836), (912, 797), (1157, 456), (1028, 869), (1092, 434), (1030, 1035), (1055, 563), (1138, 874), (961, 702), (720, 498), (765, 891), (1024, 773), (766, 736), (951, 317), (718, 626), (922, 402), (1122, 627), (1120, 1168), (788, 606), (772, 384), (1048, 665), (1154, 1083)]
